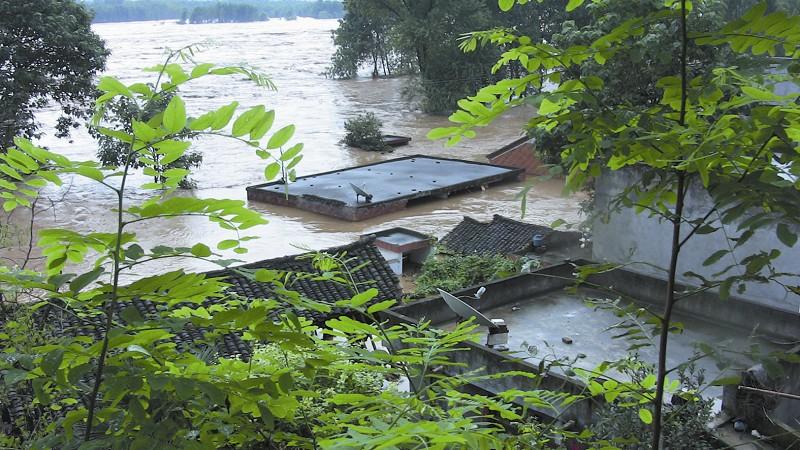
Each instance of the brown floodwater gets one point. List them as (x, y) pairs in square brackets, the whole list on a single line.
[(294, 54)]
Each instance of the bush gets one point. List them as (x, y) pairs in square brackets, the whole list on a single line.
[(364, 132), (454, 272), (685, 423)]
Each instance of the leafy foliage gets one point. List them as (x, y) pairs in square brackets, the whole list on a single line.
[(686, 417), (113, 153), (48, 53), (365, 37), (456, 272), (422, 36), (364, 131), (716, 127)]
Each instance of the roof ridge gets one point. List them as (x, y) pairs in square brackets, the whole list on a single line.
[(364, 241)]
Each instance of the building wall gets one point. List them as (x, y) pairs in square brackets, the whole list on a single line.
[(522, 156), (637, 238)]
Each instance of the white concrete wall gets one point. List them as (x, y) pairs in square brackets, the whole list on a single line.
[(630, 237)]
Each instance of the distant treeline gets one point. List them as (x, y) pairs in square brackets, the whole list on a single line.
[(211, 11)]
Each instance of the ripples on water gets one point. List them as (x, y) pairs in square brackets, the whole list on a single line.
[(295, 54)]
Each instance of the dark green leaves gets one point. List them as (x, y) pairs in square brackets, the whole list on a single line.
[(716, 256), (786, 235)]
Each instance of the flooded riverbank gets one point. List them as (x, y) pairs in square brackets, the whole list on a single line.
[(294, 54)]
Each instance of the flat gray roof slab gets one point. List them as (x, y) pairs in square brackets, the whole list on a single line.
[(543, 320), (394, 182)]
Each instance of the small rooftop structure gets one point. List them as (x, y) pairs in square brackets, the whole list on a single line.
[(504, 236), (521, 154), (391, 185), (401, 244)]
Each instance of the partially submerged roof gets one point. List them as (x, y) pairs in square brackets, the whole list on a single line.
[(372, 271), (358, 193), (501, 236), (369, 270)]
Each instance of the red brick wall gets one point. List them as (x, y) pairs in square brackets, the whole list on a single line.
[(522, 156)]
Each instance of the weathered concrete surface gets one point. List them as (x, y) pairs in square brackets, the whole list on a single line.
[(539, 324), (628, 237), (539, 312), (392, 185)]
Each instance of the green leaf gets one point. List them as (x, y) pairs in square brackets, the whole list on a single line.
[(223, 115), (272, 171), (201, 250), (281, 137), (138, 349), (292, 152), (14, 376), (573, 4), (363, 297), (175, 115), (113, 86), (505, 5), (247, 121), (51, 361), (263, 125), (548, 107), (716, 256), (381, 306), (83, 280), (786, 235), (202, 122), (227, 244), (645, 416)]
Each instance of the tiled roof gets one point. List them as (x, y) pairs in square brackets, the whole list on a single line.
[(501, 236), (369, 269), (372, 271)]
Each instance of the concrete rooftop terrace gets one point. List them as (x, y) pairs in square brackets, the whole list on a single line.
[(540, 310), (391, 183), (541, 321)]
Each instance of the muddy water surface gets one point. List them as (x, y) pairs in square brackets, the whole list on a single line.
[(294, 54)]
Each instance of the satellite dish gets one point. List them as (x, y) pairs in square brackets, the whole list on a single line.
[(360, 192), (465, 311)]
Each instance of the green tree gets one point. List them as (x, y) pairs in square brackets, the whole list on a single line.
[(363, 37), (427, 33), (113, 153), (364, 132), (48, 53), (723, 130)]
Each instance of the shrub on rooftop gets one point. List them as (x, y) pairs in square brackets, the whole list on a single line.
[(455, 272), (364, 132)]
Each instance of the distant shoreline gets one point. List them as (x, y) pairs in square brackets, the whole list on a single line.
[(176, 21)]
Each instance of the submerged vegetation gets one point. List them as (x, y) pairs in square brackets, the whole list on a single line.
[(364, 131)]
